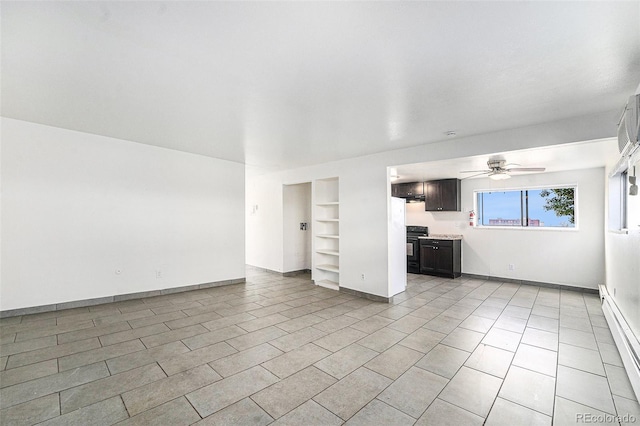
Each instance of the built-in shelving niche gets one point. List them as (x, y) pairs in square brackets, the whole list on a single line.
[(326, 271)]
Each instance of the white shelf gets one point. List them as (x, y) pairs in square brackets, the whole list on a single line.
[(326, 272), (330, 268), (329, 252), (328, 284)]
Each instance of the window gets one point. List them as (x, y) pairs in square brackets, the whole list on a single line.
[(532, 208), (624, 208)]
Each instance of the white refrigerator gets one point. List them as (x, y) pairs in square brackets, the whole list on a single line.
[(397, 246)]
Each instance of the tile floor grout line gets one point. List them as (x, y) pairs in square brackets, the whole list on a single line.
[(188, 402), (585, 405), (125, 406), (555, 384)]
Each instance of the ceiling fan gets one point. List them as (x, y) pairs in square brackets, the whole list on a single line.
[(499, 169)]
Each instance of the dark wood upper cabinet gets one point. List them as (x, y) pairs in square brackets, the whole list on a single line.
[(409, 190), (442, 195)]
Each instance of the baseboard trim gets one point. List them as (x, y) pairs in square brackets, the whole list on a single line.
[(536, 283), (295, 273), (624, 338), (115, 298), (364, 295), (282, 274)]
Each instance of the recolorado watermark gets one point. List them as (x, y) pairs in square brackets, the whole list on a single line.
[(604, 418)]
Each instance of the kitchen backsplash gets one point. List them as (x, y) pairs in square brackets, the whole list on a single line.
[(438, 222)]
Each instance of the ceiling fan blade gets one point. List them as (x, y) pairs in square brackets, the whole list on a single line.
[(526, 169), (476, 171), (472, 176)]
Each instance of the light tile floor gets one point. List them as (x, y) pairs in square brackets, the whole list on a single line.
[(281, 351)]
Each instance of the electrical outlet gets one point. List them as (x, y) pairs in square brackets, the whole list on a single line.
[(362, 277), (158, 273), (512, 267)]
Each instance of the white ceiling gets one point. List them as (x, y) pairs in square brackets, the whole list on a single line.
[(573, 156), (287, 84)]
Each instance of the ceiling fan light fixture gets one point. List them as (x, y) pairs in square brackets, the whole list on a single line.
[(499, 176)]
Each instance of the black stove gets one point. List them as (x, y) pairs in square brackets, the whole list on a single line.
[(417, 231), (413, 247)]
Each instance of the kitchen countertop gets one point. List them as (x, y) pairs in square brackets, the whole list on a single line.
[(442, 237)]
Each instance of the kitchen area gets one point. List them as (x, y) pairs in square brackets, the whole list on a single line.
[(433, 253), (450, 232)]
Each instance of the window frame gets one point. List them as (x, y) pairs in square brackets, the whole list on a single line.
[(524, 215), (619, 220)]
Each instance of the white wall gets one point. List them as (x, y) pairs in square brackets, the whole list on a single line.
[(623, 263), (363, 220), (297, 243), (569, 257), (78, 207), (365, 195), (264, 222)]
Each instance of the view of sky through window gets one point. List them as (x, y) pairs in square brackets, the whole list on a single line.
[(509, 208)]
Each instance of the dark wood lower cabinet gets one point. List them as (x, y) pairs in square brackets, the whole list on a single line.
[(441, 258)]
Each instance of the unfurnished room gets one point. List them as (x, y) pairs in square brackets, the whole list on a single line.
[(319, 213)]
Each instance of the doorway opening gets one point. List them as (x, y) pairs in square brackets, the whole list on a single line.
[(296, 228)]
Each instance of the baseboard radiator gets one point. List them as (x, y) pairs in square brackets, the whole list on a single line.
[(625, 339)]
